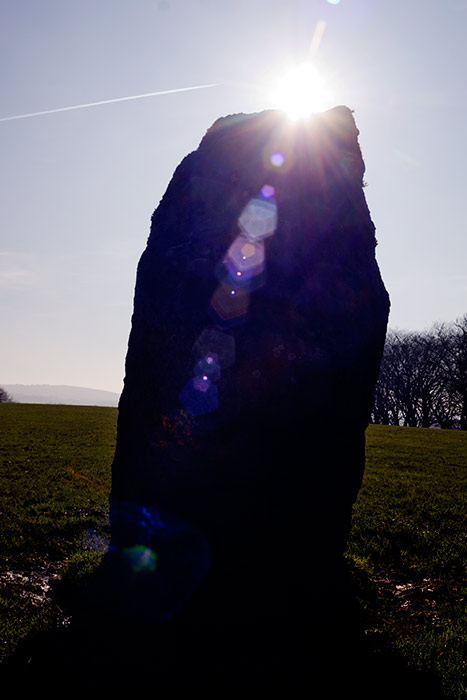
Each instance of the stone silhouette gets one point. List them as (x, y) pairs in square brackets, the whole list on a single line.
[(258, 328)]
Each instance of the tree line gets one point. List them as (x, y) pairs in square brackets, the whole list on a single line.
[(423, 378)]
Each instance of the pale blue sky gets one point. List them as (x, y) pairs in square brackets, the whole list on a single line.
[(78, 188)]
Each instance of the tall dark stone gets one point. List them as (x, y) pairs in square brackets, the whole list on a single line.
[(258, 328)]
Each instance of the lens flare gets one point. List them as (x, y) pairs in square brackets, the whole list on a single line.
[(199, 396), (140, 558), (229, 304), (277, 159), (202, 383), (245, 259), (216, 344), (247, 250), (208, 367), (259, 218), (267, 191)]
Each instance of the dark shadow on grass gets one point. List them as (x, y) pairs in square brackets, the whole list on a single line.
[(326, 653)]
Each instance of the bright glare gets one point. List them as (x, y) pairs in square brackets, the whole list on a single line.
[(301, 91)]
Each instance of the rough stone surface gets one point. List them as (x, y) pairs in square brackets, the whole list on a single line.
[(240, 446)]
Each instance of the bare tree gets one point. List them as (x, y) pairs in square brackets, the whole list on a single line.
[(404, 357), (452, 357), (423, 378), (386, 408), (5, 396)]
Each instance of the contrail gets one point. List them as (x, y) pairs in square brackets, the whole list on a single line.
[(106, 102)]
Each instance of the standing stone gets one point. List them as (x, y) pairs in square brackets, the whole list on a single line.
[(258, 328)]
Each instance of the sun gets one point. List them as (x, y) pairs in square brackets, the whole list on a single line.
[(301, 91)]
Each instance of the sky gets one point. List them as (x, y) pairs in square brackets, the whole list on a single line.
[(78, 187)]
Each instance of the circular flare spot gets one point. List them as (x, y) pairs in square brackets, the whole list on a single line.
[(248, 250), (267, 191), (277, 159), (140, 558)]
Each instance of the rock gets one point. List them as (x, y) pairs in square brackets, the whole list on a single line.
[(258, 328)]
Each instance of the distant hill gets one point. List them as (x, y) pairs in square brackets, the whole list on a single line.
[(70, 395)]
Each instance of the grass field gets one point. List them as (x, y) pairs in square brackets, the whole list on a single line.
[(407, 553)]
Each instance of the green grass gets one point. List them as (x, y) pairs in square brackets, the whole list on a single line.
[(408, 548), (407, 551), (54, 485)]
